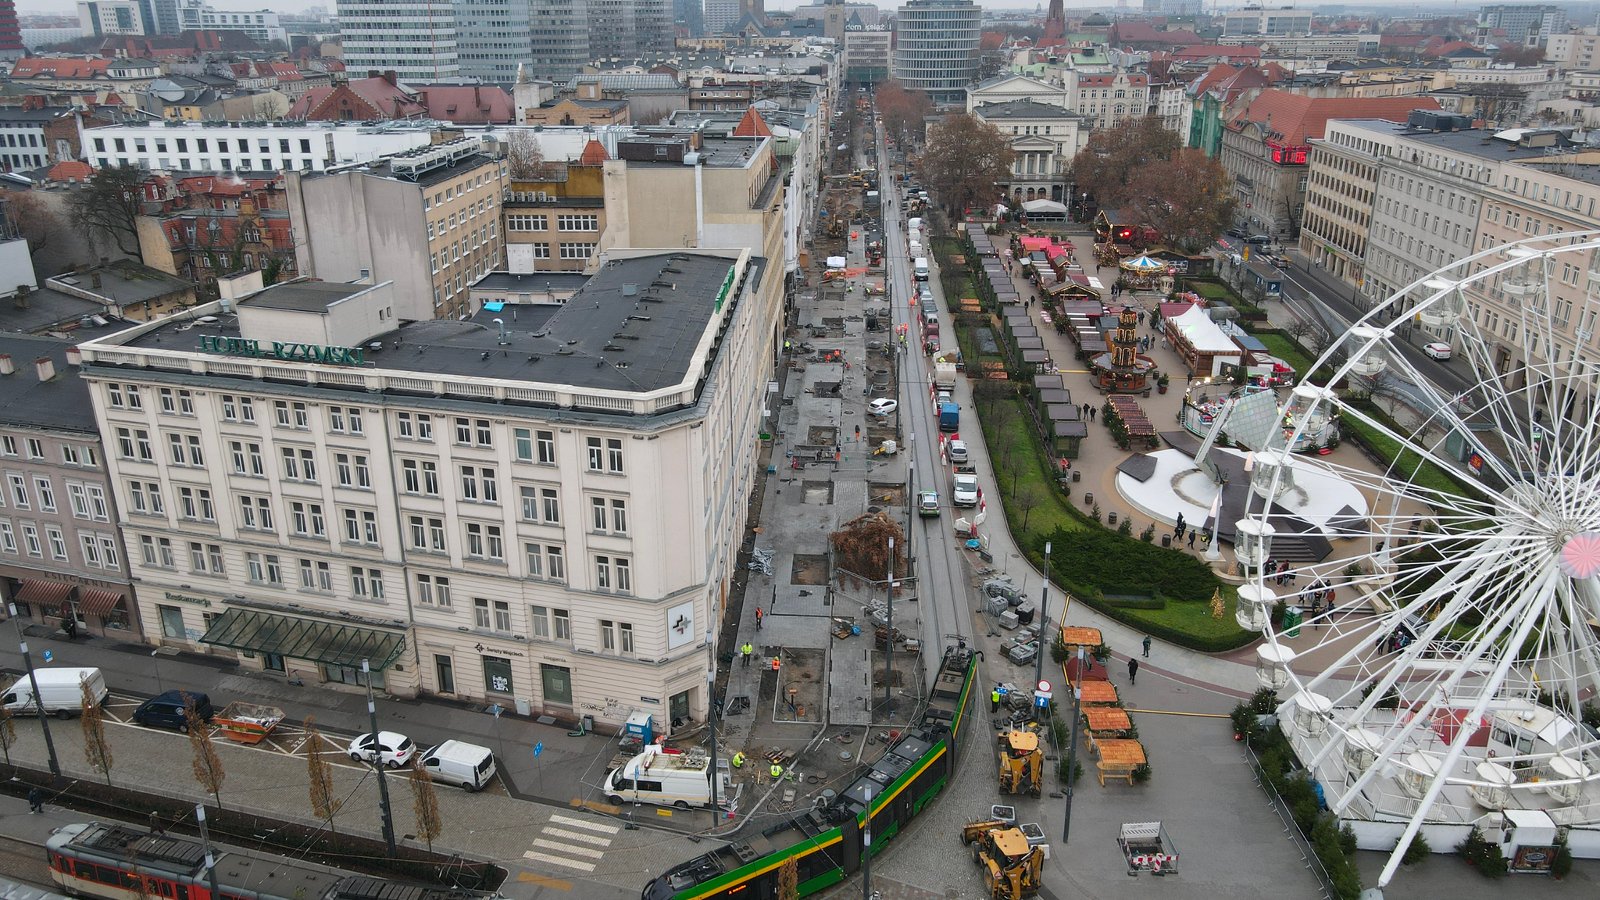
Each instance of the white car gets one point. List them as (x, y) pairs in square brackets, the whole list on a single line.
[(390, 748), (882, 406), (1437, 350)]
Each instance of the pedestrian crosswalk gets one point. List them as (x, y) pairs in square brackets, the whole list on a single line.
[(572, 843)]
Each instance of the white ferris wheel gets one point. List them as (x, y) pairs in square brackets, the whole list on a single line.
[(1452, 675)]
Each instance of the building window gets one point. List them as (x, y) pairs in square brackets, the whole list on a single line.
[(434, 590), (316, 576), (185, 449), (46, 492), (577, 223), (547, 445), (420, 477), (414, 426), (195, 503), (497, 675), (299, 464), (478, 484), (576, 250), (352, 470), (306, 519), (344, 419), (255, 512), (473, 432), (246, 458), (523, 222), (557, 683), (291, 414), (545, 561), (609, 515), (145, 498), (613, 573), (366, 584), (485, 541), (264, 569)]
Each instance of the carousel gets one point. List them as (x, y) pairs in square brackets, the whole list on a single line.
[(1122, 370), (1142, 273), (1209, 399)]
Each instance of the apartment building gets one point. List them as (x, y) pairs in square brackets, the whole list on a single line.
[(554, 224), (1341, 184), (248, 146), (868, 56), (61, 558), (427, 220), (1044, 139), (1520, 23), (1106, 100), (1576, 50), (537, 507), (414, 38), (1256, 20)]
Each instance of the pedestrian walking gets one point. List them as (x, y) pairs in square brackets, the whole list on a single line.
[(1180, 523), (35, 800), (1133, 670), (759, 615), (1093, 413), (1147, 646), (745, 651), (1191, 540)]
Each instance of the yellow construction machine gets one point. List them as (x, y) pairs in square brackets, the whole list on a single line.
[(1011, 868), (1021, 762)]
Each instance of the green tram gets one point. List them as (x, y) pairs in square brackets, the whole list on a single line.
[(826, 843)]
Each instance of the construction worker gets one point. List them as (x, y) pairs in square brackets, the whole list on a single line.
[(776, 664), (745, 651), (759, 613), (776, 771), (994, 699), (738, 760)]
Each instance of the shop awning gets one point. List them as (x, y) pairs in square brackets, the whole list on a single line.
[(313, 640), (43, 593), (98, 601)]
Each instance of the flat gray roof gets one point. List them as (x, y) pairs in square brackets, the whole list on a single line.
[(125, 282), (530, 281), (62, 402), (304, 296), (633, 327), (46, 308), (1476, 143)]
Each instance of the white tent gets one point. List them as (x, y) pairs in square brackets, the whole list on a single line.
[(1202, 333), (1043, 207)]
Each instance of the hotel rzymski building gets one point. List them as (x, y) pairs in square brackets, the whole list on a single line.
[(541, 511)]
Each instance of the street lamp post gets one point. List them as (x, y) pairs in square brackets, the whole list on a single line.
[(888, 668), (33, 681), (711, 725), (1072, 747), (377, 763), (1044, 601)]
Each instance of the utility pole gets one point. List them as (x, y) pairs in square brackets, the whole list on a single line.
[(33, 680), (1044, 620), (888, 668), (1072, 746), (205, 841), (377, 762), (711, 725), (866, 851)]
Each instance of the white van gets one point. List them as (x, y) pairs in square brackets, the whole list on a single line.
[(914, 225), (60, 692), (667, 779), (920, 268), (458, 762), (914, 249)]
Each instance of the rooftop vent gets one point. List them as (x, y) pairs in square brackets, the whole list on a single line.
[(630, 289)]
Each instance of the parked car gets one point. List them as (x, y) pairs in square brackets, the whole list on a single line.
[(1437, 350), (882, 406), (1237, 232), (390, 748), (167, 710), (60, 692), (958, 453), (1259, 239)]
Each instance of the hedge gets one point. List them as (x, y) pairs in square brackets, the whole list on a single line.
[(1098, 562)]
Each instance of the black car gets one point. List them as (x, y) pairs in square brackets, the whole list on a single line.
[(1237, 232), (167, 710)]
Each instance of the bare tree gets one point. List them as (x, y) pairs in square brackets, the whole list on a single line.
[(95, 748), (526, 157), (1023, 499), (207, 764), (319, 776), (965, 159), (425, 803), (8, 733), (107, 208), (33, 220)]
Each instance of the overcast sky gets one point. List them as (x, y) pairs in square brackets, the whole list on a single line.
[(67, 7)]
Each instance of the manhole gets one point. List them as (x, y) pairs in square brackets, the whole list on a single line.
[(819, 493), (809, 568)]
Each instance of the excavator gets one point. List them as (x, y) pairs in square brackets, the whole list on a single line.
[(1011, 868), (1021, 762)]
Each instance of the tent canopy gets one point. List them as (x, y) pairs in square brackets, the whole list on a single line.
[(1202, 333), (1044, 206), (1143, 264)]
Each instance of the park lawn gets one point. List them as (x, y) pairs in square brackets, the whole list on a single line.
[(1405, 463), (1027, 472), (1285, 349), (1193, 617)]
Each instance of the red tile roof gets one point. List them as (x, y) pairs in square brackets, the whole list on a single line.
[(58, 67), (1208, 51), (752, 125), (1111, 80), (594, 154), (468, 104), (70, 170), (1124, 32), (1296, 119)]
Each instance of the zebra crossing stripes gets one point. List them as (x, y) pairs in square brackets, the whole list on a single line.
[(571, 843)]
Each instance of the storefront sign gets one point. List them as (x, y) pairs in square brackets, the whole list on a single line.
[(498, 651), (185, 598), (289, 351), (649, 699)]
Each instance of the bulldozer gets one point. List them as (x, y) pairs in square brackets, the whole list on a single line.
[(1011, 868), (1021, 762)]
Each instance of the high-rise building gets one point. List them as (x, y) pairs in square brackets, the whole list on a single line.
[(415, 39), (196, 15), (936, 47), (689, 15), (721, 14), (1522, 23), (560, 39), (103, 17), (10, 31), (631, 28), (492, 37)]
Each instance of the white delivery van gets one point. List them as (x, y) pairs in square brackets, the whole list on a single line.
[(667, 779), (60, 692), (919, 267), (914, 249), (914, 225), (458, 762)]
